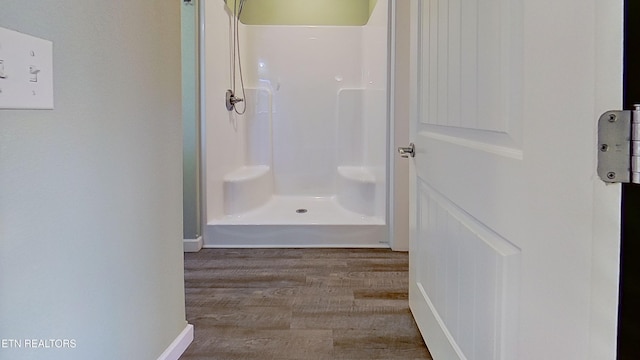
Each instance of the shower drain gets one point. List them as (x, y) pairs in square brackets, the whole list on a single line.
[(301, 211)]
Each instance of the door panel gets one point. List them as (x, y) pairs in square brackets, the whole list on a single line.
[(466, 47), (469, 270), (514, 241)]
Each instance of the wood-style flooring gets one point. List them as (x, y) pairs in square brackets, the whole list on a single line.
[(300, 304)]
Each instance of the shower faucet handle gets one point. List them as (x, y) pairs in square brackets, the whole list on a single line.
[(231, 100)]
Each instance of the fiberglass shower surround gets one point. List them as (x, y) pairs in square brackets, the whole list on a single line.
[(306, 164)]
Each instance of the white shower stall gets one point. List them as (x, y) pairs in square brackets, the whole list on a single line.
[(307, 164)]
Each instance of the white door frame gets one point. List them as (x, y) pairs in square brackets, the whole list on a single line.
[(398, 124)]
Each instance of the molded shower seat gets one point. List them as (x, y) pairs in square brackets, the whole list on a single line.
[(356, 189), (247, 188)]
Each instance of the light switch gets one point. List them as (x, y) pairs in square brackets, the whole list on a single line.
[(33, 70), (26, 71)]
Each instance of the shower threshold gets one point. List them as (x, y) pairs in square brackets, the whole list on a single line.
[(296, 221)]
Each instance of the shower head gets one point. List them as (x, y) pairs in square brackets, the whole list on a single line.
[(236, 3), (236, 6)]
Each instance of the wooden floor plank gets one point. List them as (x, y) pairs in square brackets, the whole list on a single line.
[(300, 304)]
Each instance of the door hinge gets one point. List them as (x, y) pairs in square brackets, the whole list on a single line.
[(619, 146)]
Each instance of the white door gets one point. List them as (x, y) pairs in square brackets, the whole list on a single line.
[(514, 240)]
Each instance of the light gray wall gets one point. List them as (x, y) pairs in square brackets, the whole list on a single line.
[(91, 192), (190, 121)]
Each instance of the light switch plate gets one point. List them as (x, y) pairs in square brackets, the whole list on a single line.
[(26, 71)]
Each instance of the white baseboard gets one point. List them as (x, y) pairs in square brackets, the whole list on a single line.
[(179, 345), (193, 245)]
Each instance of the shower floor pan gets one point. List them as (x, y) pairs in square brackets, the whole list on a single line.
[(297, 221)]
